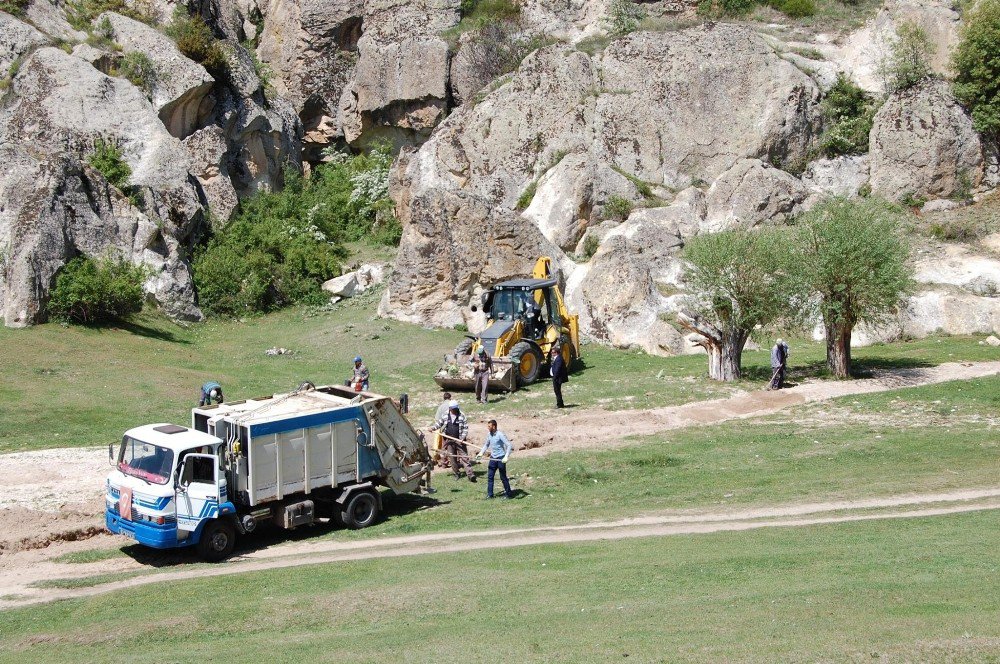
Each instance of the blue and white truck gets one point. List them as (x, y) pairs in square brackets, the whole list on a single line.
[(287, 459)]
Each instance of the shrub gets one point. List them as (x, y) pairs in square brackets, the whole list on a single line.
[(81, 13), (909, 59), (798, 8), (139, 70), (623, 17), (496, 48), (848, 113), (107, 159), (617, 208), (524, 200), (195, 40), (962, 229), (737, 7), (14, 7), (97, 291), (489, 10), (977, 65), (280, 246), (590, 246)]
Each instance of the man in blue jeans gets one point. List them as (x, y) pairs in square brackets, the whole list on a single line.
[(500, 448)]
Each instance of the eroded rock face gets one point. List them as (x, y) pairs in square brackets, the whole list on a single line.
[(49, 17), (180, 87), (17, 39), (840, 176), (654, 109), (751, 193), (312, 49), (923, 144), (55, 207)]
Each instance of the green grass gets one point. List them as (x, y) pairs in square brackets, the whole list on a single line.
[(78, 386), (909, 590), (84, 581), (90, 556)]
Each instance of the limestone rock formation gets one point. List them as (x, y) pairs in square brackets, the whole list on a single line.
[(839, 176), (56, 207), (311, 48), (17, 39), (180, 87), (923, 144), (750, 193), (49, 17)]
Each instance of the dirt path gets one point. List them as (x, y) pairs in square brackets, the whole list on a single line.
[(16, 590)]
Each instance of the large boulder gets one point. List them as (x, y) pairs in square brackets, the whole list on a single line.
[(751, 193), (837, 176), (180, 87), (923, 145), (311, 48), (49, 16), (55, 207), (17, 39)]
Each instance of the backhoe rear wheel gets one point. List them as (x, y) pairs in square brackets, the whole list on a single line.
[(527, 361)]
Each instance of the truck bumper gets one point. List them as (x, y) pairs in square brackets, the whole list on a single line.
[(150, 534)]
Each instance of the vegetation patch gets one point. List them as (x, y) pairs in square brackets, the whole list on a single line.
[(617, 208), (195, 40), (14, 7), (92, 291), (977, 64), (622, 17), (139, 70), (909, 59), (81, 13), (89, 556), (848, 114)]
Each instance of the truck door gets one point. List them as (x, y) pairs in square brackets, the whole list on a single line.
[(197, 490)]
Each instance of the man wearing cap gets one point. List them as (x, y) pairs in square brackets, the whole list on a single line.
[(456, 431), (359, 381), (210, 391), (440, 414), (779, 362), (482, 367)]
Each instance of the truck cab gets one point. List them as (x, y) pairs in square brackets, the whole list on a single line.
[(167, 484)]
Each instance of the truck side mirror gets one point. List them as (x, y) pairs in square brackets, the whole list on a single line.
[(111, 454)]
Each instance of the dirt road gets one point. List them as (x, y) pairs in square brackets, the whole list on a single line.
[(56, 496), (17, 589)]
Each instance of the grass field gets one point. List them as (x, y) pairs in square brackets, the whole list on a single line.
[(922, 589), (72, 386)]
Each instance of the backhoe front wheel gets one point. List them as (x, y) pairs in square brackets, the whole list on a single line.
[(527, 361)]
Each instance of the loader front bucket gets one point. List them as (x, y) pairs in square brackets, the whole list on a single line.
[(456, 376)]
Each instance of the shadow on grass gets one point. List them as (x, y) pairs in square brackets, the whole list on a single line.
[(268, 535), (139, 330), (861, 368)]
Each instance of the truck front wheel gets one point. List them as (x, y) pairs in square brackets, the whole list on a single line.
[(361, 510), (217, 542)]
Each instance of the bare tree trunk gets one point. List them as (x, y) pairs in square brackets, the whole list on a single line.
[(725, 347), (838, 349)]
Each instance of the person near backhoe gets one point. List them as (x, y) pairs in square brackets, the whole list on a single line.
[(779, 364), (559, 374), (455, 428), (441, 413), (210, 391), (359, 379), (499, 448), (482, 367)]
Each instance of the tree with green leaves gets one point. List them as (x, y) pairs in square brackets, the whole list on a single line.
[(977, 66), (909, 61), (851, 257), (736, 281)]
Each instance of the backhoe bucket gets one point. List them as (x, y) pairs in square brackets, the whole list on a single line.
[(456, 374)]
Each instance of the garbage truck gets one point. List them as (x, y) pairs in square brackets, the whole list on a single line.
[(286, 460)]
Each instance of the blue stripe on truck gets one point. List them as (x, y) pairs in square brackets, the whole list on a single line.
[(306, 421)]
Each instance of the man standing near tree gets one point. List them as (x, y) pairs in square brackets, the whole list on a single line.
[(779, 364)]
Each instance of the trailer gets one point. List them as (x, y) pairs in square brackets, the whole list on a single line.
[(287, 460)]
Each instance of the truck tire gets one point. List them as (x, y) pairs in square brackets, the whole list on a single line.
[(360, 511), (464, 347), (218, 539), (527, 361)]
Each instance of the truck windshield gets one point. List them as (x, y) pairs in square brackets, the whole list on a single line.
[(145, 460)]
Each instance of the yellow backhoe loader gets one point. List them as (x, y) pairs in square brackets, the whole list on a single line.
[(525, 318)]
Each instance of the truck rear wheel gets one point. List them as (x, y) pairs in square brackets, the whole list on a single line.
[(527, 361), (361, 510), (217, 542)]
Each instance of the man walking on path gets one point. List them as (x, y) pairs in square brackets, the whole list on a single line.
[(210, 391), (482, 367), (779, 363), (559, 375), (500, 449), (456, 430)]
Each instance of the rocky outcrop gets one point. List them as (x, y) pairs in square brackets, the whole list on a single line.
[(839, 176), (751, 193), (311, 48), (48, 17), (923, 145), (179, 88), (650, 112), (17, 39), (400, 86), (55, 207), (207, 149)]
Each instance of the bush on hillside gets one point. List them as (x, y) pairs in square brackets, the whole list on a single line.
[(107, 159), (909, 61), (797, 8), (81, 13), (623, 17), (195, 40), (280, 246), (139, 70), (977, 66), (97, 291), (848, 113)]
